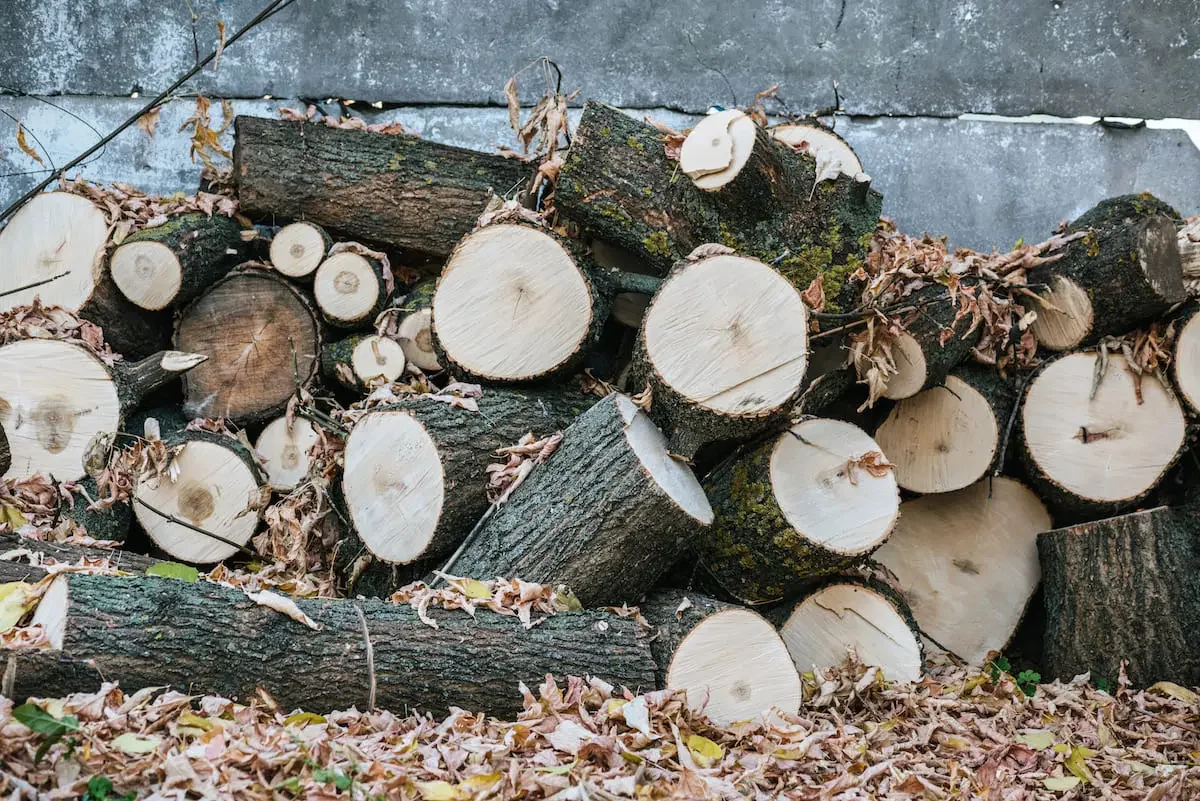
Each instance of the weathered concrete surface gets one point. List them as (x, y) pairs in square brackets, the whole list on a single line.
[(934, 58), (984, 184)]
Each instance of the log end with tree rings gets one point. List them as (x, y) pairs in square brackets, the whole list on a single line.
[(56, 397), (415, 334), (214, 488), (349, 289), (942, 439), (821, 143), (283, 451), (377, 358), (148, 273), (1185, 362), (1064, 315), (298, 249), (1189, 256), (911, 370), (54, 233), (715, 151), (839, 619), (1090, 454), (512, 305), (967, 564)]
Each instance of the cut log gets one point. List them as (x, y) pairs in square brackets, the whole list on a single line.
[(1185, 359), (389, 189), (1189, 256), (967, 563), (730, 661), (283, 451), (263, 340), (362, 360), (57, 241), (1089, 457), (350, 290), (298, 249), (811, 502), (173, 263), (724, 348), (1124, 272), (1124, 589), (825, 146), (1123, 209), (415, 478), (148, 632), (17, 568), (619, 184), (415, 327), (606, 515), (846, 617), (58, 397), (948, 437)]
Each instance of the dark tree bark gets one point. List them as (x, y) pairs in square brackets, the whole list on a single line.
[(111, 524), (1122, 209), (19, 570), (132, 332)]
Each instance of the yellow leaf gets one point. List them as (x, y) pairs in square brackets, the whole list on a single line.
[(1140, 767), (132, 744), (194, 721), (559, 770), (1062, 748), (957, 743), (12, 515), (15, 600), (1077, 765), (1175, 691), (25, 146), (1105, 736), (704, 751), (481, 782), (1060, 783), (474, 588), (1037, 740), (438, 791), (303, 719), (614, 706), (629, 756)]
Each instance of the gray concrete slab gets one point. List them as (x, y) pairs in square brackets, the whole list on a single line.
[(932, 58)]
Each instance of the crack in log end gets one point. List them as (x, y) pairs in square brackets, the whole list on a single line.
[(1087, 437), (967, 566)]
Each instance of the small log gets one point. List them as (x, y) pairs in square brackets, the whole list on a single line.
[(360, 360), (1189, 256), (949, 436), (698, 639), (283, 449), (298, 249), (1185, 358), (16, 569), (606, 515), (263, 340), (1089, 456), (389, 189), (1124, 589), (847, 616), (148, 632), (825, 146), (173, 263), (415, 327), (801, 506), (967, 563), (724, 349), (350, 289), (66, 397)]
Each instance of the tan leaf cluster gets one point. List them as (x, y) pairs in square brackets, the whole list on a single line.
[(205, 140), (507, 211), (814, 296), (37, 321), (511, 597), (141, 458), (29, 502), (589, 384), (874, 463), (504, 478), (1147, 350), (349, 123), (129, 209)]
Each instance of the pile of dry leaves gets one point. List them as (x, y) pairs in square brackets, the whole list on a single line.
[(130, 209)]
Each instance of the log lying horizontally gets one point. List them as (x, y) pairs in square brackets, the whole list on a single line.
[(18, 568), (351, 289), (209, 639)]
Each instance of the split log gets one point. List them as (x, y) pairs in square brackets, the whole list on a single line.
[(825, 146), (724, 348), (415, 478), (298, 249), (351, 289), (173, 263), (16, 569), (948, 437), (762, 198), (967, 563), (1124, 589), (1124, 272), (283, 451), (1185, 359), (1189, 256), (59, 397), (811, 502), (389, 189), (147, 632), (360, 360), (263, 340), (1098, 455), (415, 327), (57, 240), (863, 618), (729, 660), (606, 515)]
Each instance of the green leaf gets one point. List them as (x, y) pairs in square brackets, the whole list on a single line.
[(1028, 677), (342, 781), (43, 722), (291, 786), (98, 788), (134, 745), (1037, 740), (1104, 685), (174, 570), (1003, 664)]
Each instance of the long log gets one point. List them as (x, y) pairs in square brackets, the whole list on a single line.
[(389, 189), (17, 569), (209, 639)]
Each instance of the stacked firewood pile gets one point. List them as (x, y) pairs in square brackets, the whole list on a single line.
[(696, 374)]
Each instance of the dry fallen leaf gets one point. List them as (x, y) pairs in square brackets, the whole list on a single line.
[(26, 147), (284, 606)]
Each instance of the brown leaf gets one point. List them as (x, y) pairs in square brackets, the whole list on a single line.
[(26, 147), (514, 103), (220, 46), (149, 120), (814, 296)]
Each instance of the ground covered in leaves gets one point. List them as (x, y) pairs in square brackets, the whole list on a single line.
[(957, 734)]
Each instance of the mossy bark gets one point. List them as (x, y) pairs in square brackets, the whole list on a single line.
[(618, 184), (591, 517), (207, 248), (5, 452), (671, 626), (337, 368), (1122, 209), (389, 189), (66, 554), (135, 381), (1124, 589), (208, 639), (111, 524)]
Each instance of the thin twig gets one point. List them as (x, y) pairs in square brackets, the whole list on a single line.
[(445, 569), (197, 529), (322, 419), (35, 284), (1167, 721)]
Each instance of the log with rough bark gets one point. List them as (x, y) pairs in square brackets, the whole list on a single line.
[(606, 514), (966, 563), (949, 436), (1189, 255), (1124, 589), (60, 397), (1125, 271), (148, 632), (1185, 358), (111, 523), (360, 360), (729, 660), (16, 566), (5, 452), (298, 249), (757, 196), (282, 449), (263, 340), (389, 189), (723, 348), (173, 263), (351, 289), (415, 326), (57, 240), (859, 617), (812, 501), (415, 478), (1093, 455)]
